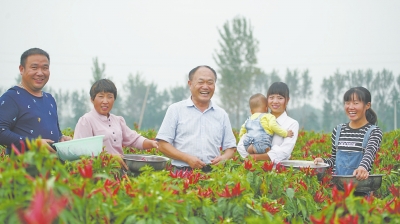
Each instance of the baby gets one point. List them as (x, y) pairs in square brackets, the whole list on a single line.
[(260, 126)]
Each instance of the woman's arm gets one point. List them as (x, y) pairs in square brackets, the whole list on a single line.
[(373, 145), (83, 129), (282, 149), (130, 137)]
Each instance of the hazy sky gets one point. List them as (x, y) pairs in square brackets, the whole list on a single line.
[(163, 40)]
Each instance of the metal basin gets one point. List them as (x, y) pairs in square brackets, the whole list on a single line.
[(372, 183), (137, 161), (320, 168)]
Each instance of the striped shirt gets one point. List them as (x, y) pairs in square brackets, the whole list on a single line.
[(351, 139), (197, 133)]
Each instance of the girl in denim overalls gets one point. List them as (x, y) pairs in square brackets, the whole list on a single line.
[(354, 144)]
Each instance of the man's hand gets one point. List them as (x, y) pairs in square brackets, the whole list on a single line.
[(47, 142), (361, 173), (227, 155), (194, 162)]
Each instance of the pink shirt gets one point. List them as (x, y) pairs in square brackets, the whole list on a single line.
[(116, 133)]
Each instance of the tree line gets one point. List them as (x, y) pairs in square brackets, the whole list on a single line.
[(143, 105)]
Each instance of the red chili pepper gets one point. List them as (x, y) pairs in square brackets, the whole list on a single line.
[(396, 207), (236, 191), (204, 194), (270, 208), (304, 185), (337, 196), (396, 143), (87, 170), (194, 178), (319, 197), (79, 191), (394, 190), (280, 168), (130, 191), (14, 148), (186, 184), (308, 171), (349, 219), (268, 166), (44, 207), (248, 165), (318, 221)]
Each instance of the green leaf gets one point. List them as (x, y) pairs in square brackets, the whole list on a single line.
[(290, 192), (196, 220), (238, 214)]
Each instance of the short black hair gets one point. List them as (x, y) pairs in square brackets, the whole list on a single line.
[(103, 85), (191, 73), (30, 52), (279, 88)]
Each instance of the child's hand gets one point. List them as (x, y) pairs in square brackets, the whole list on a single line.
[(290, 133)]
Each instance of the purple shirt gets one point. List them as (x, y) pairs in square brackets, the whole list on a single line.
[(116, 133)]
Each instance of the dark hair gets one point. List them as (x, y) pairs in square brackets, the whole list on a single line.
[(30, 52), (103, 85), (257, 100), (279, 88), (363, 95), (191, 73)]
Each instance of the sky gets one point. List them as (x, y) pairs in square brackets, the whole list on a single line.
[(164, 40)]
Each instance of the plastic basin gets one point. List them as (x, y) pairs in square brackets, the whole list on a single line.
[(74, 149)]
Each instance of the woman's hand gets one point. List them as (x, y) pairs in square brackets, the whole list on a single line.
[(361, 173), (318, 160), (155, 144), (65, 138)]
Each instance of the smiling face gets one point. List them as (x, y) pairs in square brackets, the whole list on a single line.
[(202, 86), (103, 103), (277, 104), (355, 110), (35, 73)]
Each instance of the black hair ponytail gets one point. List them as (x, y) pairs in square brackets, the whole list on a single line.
[(371, 116)]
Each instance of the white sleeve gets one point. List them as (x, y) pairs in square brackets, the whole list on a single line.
[(240, 148), (283, 149)]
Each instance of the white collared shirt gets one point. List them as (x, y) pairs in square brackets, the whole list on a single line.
[(281, 147), (197, 133)]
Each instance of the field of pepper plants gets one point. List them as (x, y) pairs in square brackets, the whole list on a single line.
[(36, 187)]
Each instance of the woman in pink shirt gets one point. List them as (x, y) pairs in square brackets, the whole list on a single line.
[(99, 121)]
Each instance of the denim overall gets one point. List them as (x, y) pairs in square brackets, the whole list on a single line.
[(348, 161), (256, 135)]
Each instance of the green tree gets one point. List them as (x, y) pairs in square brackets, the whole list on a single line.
[(79, 104), (333, 89), (383, 90), (178, 93), (236, 60), (306, 91), (98, 72), (135, 89), (292, 79)]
